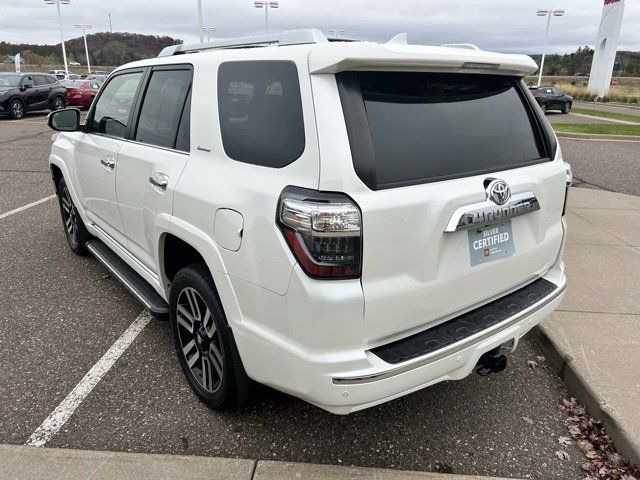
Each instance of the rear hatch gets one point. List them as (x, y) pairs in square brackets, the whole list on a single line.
[(429, 146)]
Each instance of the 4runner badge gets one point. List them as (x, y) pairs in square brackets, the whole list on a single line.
[(498, 191), (499, 206)]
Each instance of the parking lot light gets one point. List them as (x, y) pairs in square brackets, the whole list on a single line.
[(266, 4), (209, 30), (200, 21), (64, 51), (84, 27), (547, 12)]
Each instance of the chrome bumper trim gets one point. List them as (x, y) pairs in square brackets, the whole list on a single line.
[(453, 348)]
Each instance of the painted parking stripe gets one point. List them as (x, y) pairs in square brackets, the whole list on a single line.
[(54, 422), (24, 207)]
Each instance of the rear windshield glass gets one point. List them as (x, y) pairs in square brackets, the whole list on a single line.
[(407, 128)]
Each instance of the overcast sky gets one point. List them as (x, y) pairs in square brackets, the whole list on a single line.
[(503, 25)]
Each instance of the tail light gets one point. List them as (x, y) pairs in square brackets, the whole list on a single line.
[(569, 175), (323, 230)]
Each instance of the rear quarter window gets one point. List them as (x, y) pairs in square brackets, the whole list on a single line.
[(408, 128), (260, 112)]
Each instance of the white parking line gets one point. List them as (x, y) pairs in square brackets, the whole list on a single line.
[(24, 207), (65, 409)]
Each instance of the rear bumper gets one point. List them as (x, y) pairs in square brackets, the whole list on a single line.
[(340, 376), (384, 381)]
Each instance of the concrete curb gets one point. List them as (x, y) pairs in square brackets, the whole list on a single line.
[(583, 391), (591, 136), (18, 462)]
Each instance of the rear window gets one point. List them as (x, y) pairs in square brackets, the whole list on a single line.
[(408, 128)]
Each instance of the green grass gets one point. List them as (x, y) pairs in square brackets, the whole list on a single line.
[(603, 114), (598, 129)]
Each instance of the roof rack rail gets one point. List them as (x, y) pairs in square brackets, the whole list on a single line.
[(466, 46), (288, 37)]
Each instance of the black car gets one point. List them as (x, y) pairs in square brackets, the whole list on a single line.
[(550, 98), (24, 92)]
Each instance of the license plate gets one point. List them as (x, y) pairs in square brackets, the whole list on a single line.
[(490, 243)]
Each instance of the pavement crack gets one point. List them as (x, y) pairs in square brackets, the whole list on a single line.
[(26, 137)]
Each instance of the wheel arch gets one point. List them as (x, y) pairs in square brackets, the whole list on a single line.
[(183, 245)]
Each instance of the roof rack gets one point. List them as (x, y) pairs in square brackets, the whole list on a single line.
[(288, 37)]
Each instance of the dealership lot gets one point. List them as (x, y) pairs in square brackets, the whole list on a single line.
[(62, 313)]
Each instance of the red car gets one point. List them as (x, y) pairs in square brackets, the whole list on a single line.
[(81, 92)]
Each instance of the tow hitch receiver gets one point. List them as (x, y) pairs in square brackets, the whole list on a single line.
[(491, 362)]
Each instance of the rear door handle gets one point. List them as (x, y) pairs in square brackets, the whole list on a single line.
[(108, 162), (159, 180)]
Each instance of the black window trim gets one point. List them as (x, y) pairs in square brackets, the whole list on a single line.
[(90, 115), (304, 146), (137, 110), (361, 143)]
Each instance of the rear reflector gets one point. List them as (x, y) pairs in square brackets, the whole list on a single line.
[(569, 174), (323, 230)]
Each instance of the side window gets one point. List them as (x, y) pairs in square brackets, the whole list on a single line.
[(162, 107), (28, 80), (111, 115), (183, 141), (261, 112), (51, 79), (40, 80)]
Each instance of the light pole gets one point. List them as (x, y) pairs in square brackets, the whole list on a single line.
[(337, 33), (64, 51), (84, 27), (209, 30), (546, 12), (200, 21), (266, 4), (110, 26)]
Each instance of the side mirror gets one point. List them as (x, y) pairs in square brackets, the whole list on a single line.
[(67, 120)]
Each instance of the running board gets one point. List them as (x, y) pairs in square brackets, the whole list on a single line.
[(128, 277)]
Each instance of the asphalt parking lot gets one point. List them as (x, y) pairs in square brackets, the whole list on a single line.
[(61, 313)]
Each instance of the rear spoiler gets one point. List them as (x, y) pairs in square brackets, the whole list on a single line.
[(325, 58)]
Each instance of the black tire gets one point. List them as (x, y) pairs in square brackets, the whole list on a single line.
[(543, 107), (74, 228), (208, 356), (16, 109), (57, 103), (567, 108)]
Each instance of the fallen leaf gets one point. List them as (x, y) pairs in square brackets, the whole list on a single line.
[(564, 441), (562, 455), (532, 364), (528, 420)]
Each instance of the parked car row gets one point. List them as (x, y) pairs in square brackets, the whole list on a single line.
[(99, 75), (25, 92)]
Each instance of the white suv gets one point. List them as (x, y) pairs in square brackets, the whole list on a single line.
[(347, 222)]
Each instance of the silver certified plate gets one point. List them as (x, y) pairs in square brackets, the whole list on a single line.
[(490, 243)]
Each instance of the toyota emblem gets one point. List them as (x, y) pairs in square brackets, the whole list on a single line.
[(498, 191)]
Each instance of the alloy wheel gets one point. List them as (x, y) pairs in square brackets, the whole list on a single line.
[(199, 340), (58, 104), (17, 109), (69, 216)]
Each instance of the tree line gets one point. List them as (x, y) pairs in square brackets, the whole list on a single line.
[(104, 49), (579, 62)]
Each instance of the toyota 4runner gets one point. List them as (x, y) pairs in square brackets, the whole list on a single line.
[(347, 222)]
